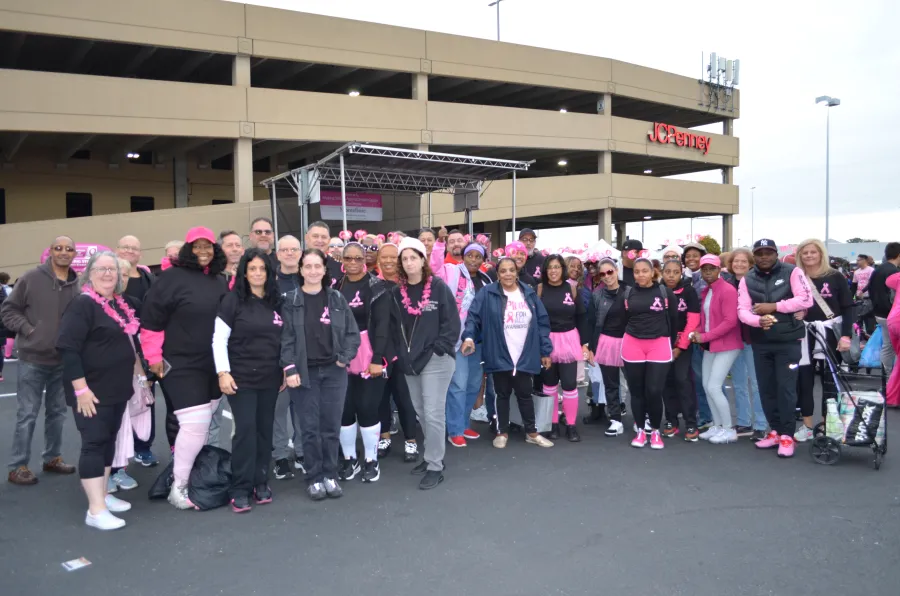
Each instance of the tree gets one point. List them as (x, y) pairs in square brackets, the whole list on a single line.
[(711, 245), (860, 240)]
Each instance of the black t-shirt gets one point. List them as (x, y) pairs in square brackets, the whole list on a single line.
[(836, 293), (649, 313), (478, 281), (687, 302), (627, 276), (255, 342), (95, 346), (561, 307), (319, 343), (614, 324), (534, 264), (334, 271), (359, 298), (139, 286)]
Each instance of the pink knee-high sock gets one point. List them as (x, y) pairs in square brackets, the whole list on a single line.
[(8, 348), (193, 430), (553, 392), (570, 405)]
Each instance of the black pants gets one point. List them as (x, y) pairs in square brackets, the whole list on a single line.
[(561, 373), (504, 385), (98, 438), (396, 387), (142, 446), (254, 416), (807, 377), (777, 373), (680, 397), (611, 384), (646, 382), (363, 401), (319, 403), (172, 425)]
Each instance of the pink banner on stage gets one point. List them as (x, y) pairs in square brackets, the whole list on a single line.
[(83, 253), (361, 206)]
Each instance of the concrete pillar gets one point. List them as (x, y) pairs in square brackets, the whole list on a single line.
[(604, 162), (728, 175), (727, 232), (420, 86), (728, 127), (243, 170), (604, 224), (607, 104), (180, 174), (240, 71), (620, 235)]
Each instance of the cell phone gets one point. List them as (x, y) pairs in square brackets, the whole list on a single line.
[(166, 367)]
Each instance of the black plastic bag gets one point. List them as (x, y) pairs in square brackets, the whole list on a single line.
[(210, 480), (162, 485), (864, 426)]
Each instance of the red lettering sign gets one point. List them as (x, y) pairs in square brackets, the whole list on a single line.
[(666, 133)]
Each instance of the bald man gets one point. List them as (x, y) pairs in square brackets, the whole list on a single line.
[(139, 276)]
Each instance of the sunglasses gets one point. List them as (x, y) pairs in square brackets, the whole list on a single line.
[(608, 272), (263, 232), (354, 259), (335, 246), (61, 248), (372, 248)]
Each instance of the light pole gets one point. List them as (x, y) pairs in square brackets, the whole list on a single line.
[(830, 102), (497, 4), (752, 213)]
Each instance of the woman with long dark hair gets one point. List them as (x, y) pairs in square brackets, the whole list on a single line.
[(607, 317), (569, 336), (680, 396), (650, 311), (367, 298), (319, 340), (246, 346), (178, 319), (425, 327), (514, 330)]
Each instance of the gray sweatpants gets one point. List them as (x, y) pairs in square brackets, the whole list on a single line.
[(716, 367), (428, 391), (887, 349), (280, 433)]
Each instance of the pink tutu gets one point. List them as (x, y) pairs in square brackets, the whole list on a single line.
[(363, 359), (609, 351), (566, 346)]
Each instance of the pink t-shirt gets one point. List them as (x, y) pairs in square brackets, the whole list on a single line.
[(516, 321), (861, 279)]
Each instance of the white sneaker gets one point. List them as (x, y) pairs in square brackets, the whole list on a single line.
[(713, 431), (615, 429), (479, 414), (117, 505), (727, 435), (178, 497), (104, 521), (804, 434)]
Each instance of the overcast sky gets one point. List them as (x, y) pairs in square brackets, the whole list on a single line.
[(790, 51)]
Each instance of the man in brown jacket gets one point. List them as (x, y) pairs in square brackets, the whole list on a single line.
[(33, 312)]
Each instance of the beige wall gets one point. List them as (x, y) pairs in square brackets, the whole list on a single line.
[(630, 136)]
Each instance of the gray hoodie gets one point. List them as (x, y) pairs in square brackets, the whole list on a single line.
[(33, 312)]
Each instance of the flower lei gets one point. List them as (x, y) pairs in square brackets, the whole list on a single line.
[(130, 325), (407, 303)]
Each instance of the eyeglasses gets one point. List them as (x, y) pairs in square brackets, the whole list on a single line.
[(61, 248), (354, 259), (290, 250), (335, 246), (130, 248), (371, 248), (262, 232), (608, 272), (105, 270)]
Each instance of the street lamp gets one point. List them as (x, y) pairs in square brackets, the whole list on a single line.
[(830, 102), (752, 213), (497, 4)]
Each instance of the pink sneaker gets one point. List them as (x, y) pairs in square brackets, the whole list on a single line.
[(786, 446), (640, 439), (656, 441), (772, 439)]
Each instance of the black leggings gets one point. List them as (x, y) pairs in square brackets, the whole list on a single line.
[(561, 373), (172, 425), (254, 417), (504, 384), (363, 401), (396, 386), (611, 383), (98, 438), (680, 397), (646, 381), (807, 377)]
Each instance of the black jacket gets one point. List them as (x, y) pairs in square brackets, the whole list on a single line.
[(879, 293), (435, 332), (598, 309), (344, 332)]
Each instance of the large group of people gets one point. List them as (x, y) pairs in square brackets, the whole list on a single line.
[(355, 334)]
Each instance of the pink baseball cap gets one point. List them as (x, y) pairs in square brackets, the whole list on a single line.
[(515, 246), (710, 260), (198, 233)]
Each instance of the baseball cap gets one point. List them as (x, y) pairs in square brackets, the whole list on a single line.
[(710, 260), (525, 232), (695, 246), (633, 244), (198, 233), (765, 243)]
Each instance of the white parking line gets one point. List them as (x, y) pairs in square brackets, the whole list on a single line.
[(7, 394)]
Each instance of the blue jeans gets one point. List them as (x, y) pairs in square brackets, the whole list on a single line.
[(33, 380), (704, 414), (743, 371), (463, 391)]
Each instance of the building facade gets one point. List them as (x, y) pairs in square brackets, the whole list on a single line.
[(148, 118)]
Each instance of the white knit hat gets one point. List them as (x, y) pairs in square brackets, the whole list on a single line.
[(413, 243), (671, 248)]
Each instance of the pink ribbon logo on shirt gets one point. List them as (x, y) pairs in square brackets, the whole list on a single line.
[(357, 301), (826, 291), (682, 306), (568, 300), (657, 304), (325, 319), (277, 320)]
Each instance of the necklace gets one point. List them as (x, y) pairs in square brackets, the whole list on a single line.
[(407, 303), (130, 324)]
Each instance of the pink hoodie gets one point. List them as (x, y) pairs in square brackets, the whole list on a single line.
[(724, 330)]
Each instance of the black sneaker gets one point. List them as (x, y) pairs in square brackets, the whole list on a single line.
[(597, 415), (371, 472), (691, 434), (668, 429), (384, 447), (743, 431), (283, 469), (349, 469), (316, 491), (332, 489), (572, 434), (240, 504), (431, 480), (422, 468), (410, 452), (554, 431), (299, 464), (262, 494), (758, 435)]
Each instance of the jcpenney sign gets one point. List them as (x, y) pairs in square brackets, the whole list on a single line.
[(666, 133)]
